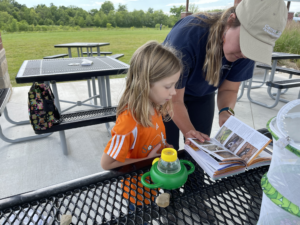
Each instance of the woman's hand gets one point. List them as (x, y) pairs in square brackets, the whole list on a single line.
[(195, 134), (223, 117)]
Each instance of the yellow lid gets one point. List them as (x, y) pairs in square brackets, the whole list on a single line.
[(169, 154), (155, 160)]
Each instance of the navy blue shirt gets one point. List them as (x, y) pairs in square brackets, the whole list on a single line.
[(189, 38)]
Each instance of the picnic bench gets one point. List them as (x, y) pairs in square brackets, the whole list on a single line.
[(96, 53), (55, 56), (117, 56), (80, 119), (283, 84)]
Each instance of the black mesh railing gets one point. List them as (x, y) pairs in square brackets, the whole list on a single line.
[(123, 200)]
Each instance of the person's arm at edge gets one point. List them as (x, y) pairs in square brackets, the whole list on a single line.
[(182, 120), (108, 162), (227, 95)]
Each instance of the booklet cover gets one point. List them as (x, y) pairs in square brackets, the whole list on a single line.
[(235, 147)]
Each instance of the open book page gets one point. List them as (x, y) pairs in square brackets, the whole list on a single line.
[(241, 139), (211, 165), (264, 158), (216, 150)]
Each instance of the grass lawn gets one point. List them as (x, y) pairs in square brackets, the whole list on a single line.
[(36, 45)]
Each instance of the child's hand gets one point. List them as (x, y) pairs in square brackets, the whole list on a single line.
[(154, 153), (169, 146)]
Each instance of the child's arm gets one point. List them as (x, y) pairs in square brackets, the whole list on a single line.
[(108, 162)]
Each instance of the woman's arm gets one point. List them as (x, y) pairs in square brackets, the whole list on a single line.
[(182, 120), (108, 162), (227, 95)]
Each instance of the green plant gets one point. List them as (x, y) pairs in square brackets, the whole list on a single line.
[(109, 26)]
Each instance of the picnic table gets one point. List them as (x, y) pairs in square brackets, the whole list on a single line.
[(276, 96), (89, 51), (80, 45), (59, 70), (99, 199)]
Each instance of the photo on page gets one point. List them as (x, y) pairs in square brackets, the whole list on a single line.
[(213, 148), (247, 151), (194, 147), (234, 142), (223, 134), (225, 155), (202, 143)]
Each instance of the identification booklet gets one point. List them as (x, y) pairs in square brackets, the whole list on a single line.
[(235, 148)]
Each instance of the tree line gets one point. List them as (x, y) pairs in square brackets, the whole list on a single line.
[(18, 17)]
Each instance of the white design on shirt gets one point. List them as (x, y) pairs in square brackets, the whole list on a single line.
[(163, 138)]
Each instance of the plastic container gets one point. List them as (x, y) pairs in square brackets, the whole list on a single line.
[(168, 163), (281, 185)]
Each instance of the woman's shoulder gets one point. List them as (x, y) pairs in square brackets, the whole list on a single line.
[(125, 123), (187, 30)]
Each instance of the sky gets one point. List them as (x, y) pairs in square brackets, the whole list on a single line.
[(165, 5)]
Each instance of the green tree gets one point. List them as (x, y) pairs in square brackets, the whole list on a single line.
[(14, 26), (193, 8), (81, 22), (89, 21), (23, 26), (93, 12), (97, 21), (122, 8), (177, 10), (150, 10), (107, 6)]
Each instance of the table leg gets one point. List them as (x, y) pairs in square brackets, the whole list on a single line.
[(78, 52), (61, 133), (89, 87), (108, 91), (70, 53), (260, 103), (272, 77), (94, 89), (39, 136), (102, 92), (242, 90), (98, 50), (12, 121)]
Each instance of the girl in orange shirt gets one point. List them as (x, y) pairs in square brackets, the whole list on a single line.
[(139, 132)]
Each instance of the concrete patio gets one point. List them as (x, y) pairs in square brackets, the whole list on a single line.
[(36, 164)]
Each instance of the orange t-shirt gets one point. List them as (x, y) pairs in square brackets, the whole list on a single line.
[(132, 140)]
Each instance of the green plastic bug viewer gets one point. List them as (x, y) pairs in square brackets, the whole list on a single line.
[(168, 172)]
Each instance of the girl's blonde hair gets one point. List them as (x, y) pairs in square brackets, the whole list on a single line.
[(150, 63), (214, 47)]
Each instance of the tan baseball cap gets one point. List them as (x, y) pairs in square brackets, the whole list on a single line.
[(262, 23)]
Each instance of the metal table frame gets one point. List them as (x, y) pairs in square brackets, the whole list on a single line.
[(79, 47), (103, 84), (275, 96), (3, 109)]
